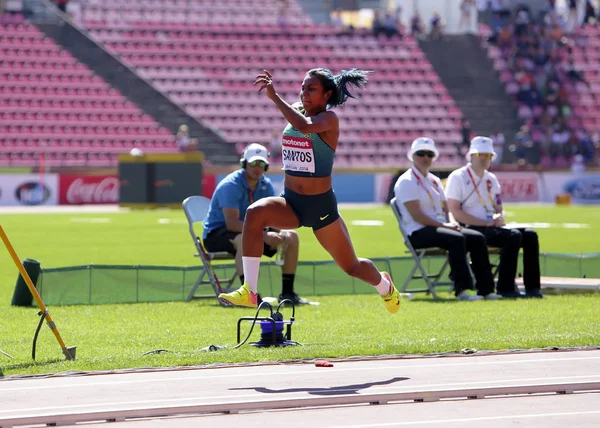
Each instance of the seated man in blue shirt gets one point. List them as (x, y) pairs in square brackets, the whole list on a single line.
[(225, 218)]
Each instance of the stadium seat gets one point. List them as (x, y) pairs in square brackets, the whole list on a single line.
[(195, 209)]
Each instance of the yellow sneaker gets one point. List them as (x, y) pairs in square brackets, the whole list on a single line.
[(392, 299), (241, 297)]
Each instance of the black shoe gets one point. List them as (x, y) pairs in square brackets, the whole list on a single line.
[(512, 295), (534, 294), (296, 300)]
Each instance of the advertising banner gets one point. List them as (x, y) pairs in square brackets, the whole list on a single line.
[(351, 188), (88, 189), (519, 186), (28, 189), (583, 188)]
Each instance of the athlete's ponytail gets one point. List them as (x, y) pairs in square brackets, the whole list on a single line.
[(338, 83)]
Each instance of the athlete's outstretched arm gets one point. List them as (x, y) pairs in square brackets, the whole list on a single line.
[(322, 122)]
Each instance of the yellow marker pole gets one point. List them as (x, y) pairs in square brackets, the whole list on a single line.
[(35, 294)]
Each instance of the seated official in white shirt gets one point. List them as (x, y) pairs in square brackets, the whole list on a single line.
[(422, 204), (474, 200)]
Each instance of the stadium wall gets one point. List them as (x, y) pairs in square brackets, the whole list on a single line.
[(80, 189)]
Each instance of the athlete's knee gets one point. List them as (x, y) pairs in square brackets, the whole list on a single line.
[(255, 215), (352, 269), (291, 239)]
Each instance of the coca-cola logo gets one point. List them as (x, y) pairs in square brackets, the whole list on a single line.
[(32, 193), (105, 191)]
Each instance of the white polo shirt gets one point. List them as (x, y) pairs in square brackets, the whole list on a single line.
[(481, 203), (413, 186)]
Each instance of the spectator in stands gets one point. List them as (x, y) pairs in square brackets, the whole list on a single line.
[(465, 132), (573, 16), (309, 143), (337, 22), (436, 27), (522, 20), (275, 148), (524, 144), (391, 25), (422, 203), (586, 145), (574, 74), (466, 8), (225, 219), (590, 14), (578, 165), (474, 200), (416, 26), (183, 140), (62, 5), (378, 25), (498, 140), (504, 38), (560, 139), (282, 14)]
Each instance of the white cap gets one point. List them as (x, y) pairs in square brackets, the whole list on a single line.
[(422, 143), (255, 152), (481, 145)]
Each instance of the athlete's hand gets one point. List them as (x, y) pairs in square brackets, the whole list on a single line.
[(265, 80)]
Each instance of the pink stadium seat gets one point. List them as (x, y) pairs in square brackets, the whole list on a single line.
[(49, 100)]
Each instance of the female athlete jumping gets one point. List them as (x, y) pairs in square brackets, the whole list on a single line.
[(308, 148)]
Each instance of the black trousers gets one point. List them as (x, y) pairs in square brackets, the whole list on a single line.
[(458, 244), (510, 241)]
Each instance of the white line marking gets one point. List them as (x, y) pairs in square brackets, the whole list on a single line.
[(575, 226), (207, 375), (90, 220), (171, 221), (388, 389), (366, 223), (485, 418), (292, 395)]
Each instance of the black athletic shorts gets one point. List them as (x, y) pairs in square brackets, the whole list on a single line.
[(316, 211), (220, 240)]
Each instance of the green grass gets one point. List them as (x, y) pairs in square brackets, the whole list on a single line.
[(114, 336)]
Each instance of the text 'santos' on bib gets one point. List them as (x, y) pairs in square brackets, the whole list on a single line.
[(297, 154)]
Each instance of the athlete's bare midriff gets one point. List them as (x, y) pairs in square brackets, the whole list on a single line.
[(307, 185)]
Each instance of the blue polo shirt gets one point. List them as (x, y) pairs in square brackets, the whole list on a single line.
[(233, 192)]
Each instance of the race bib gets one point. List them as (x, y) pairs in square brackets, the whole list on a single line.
[(297, 154), (489, 216)]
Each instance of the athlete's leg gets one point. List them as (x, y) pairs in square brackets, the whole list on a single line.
[(336, 240), (273, 212)]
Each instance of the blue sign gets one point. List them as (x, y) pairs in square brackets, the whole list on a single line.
[(584, 190)]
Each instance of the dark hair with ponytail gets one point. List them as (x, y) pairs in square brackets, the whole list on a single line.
[(338, 83)]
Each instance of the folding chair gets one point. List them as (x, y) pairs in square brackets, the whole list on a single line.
[(432, 280), (196, 208)]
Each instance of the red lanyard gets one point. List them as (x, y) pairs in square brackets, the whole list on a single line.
[(489, 189), (427, 190), (250, 196)]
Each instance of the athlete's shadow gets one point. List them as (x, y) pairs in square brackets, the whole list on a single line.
[(334, 390)]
